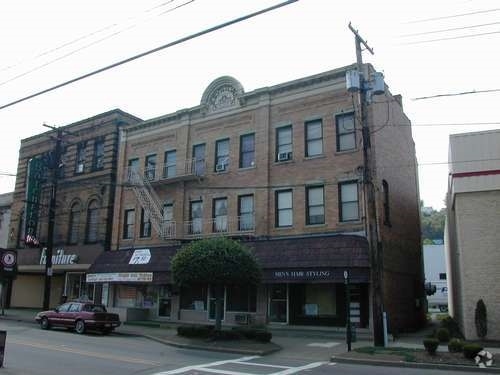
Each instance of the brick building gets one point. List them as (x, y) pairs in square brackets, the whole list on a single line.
[(84, 207), (472, 235), (280, 168)]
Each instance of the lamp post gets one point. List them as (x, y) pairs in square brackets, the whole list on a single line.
[(348, 310)]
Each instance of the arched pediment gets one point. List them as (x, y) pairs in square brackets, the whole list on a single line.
[(222, 93)]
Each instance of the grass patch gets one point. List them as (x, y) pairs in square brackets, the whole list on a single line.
[(406, 353)]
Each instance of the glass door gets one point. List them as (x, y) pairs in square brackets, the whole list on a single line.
[(278, 303), (211, 303), (164, 301)]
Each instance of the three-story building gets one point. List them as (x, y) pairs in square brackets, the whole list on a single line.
[(280, 168)]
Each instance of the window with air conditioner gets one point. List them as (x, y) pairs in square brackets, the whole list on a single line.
[(284, 143), (80, 158), (222, 155)]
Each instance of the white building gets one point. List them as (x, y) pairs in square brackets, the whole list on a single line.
[(473, 229)]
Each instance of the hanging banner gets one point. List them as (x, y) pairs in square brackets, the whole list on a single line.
[(35, 176)]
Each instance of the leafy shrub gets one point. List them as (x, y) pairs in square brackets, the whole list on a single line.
[(195, 331), (431, 345), (226, 335), (258, 334), (443, 335), (263, 336), (471, 350), (480, 318), (452, 326), (455, 345)]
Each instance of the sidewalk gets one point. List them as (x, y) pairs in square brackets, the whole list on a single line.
[(288, 343)]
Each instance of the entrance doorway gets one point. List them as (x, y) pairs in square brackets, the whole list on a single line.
[(164, 301), (211, 303), (278, 303)]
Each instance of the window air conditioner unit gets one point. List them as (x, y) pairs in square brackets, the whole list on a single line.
[(283, 156), (220, 167)]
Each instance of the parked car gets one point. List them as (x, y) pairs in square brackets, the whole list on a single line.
[(79, 316)]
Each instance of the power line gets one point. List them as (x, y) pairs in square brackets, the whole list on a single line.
[(456, 94), (38, 67), (451, 38), (135, 57), (454, 16), (451, 29), (54, 49)]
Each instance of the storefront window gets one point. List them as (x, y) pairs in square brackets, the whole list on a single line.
[(320, 300), (241, 298), (142, 296), (77, 289), (194, 297)]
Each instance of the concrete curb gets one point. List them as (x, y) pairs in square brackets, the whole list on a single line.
[(213, 348), (429, 366), (169, 342)]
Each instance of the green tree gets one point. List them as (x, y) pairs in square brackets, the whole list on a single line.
[(432, 224), (217, 262)]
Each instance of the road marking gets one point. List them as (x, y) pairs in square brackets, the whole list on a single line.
[(84, 352), (200, 367), (293, 370), (261, 364), (208, 367), (324, 344)]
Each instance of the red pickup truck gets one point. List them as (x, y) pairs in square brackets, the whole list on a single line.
[(79, 316)]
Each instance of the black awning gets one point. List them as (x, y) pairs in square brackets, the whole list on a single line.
[(313, 258), (119, 266)]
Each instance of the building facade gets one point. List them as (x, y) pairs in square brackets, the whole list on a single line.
[(279, 168), (5, 213), (83, 211), (473, 219)]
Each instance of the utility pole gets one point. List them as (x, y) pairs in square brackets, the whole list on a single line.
[(370, 204), (54, 166)]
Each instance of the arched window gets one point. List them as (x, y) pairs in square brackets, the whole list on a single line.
[(74, 224), (92, 221)]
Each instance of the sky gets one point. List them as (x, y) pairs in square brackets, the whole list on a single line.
[(47, 43)]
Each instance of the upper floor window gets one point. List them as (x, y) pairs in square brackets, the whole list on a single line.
[(222, 155), (168, 212), (387, 216), (246, 213), (80, 157), (170, 164), (92, 221), (284, 146), (199, 159), (247, 150), (99, 153), (128, 224), (315, 205), (348, 201), (133, 168), (442, 276), (150, 167), (346, 132), (196, 217), (284, 208), (74, 224), (314, 138), (220, 215), (145, 224)]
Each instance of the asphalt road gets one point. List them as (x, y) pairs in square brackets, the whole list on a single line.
[(32, 351)]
